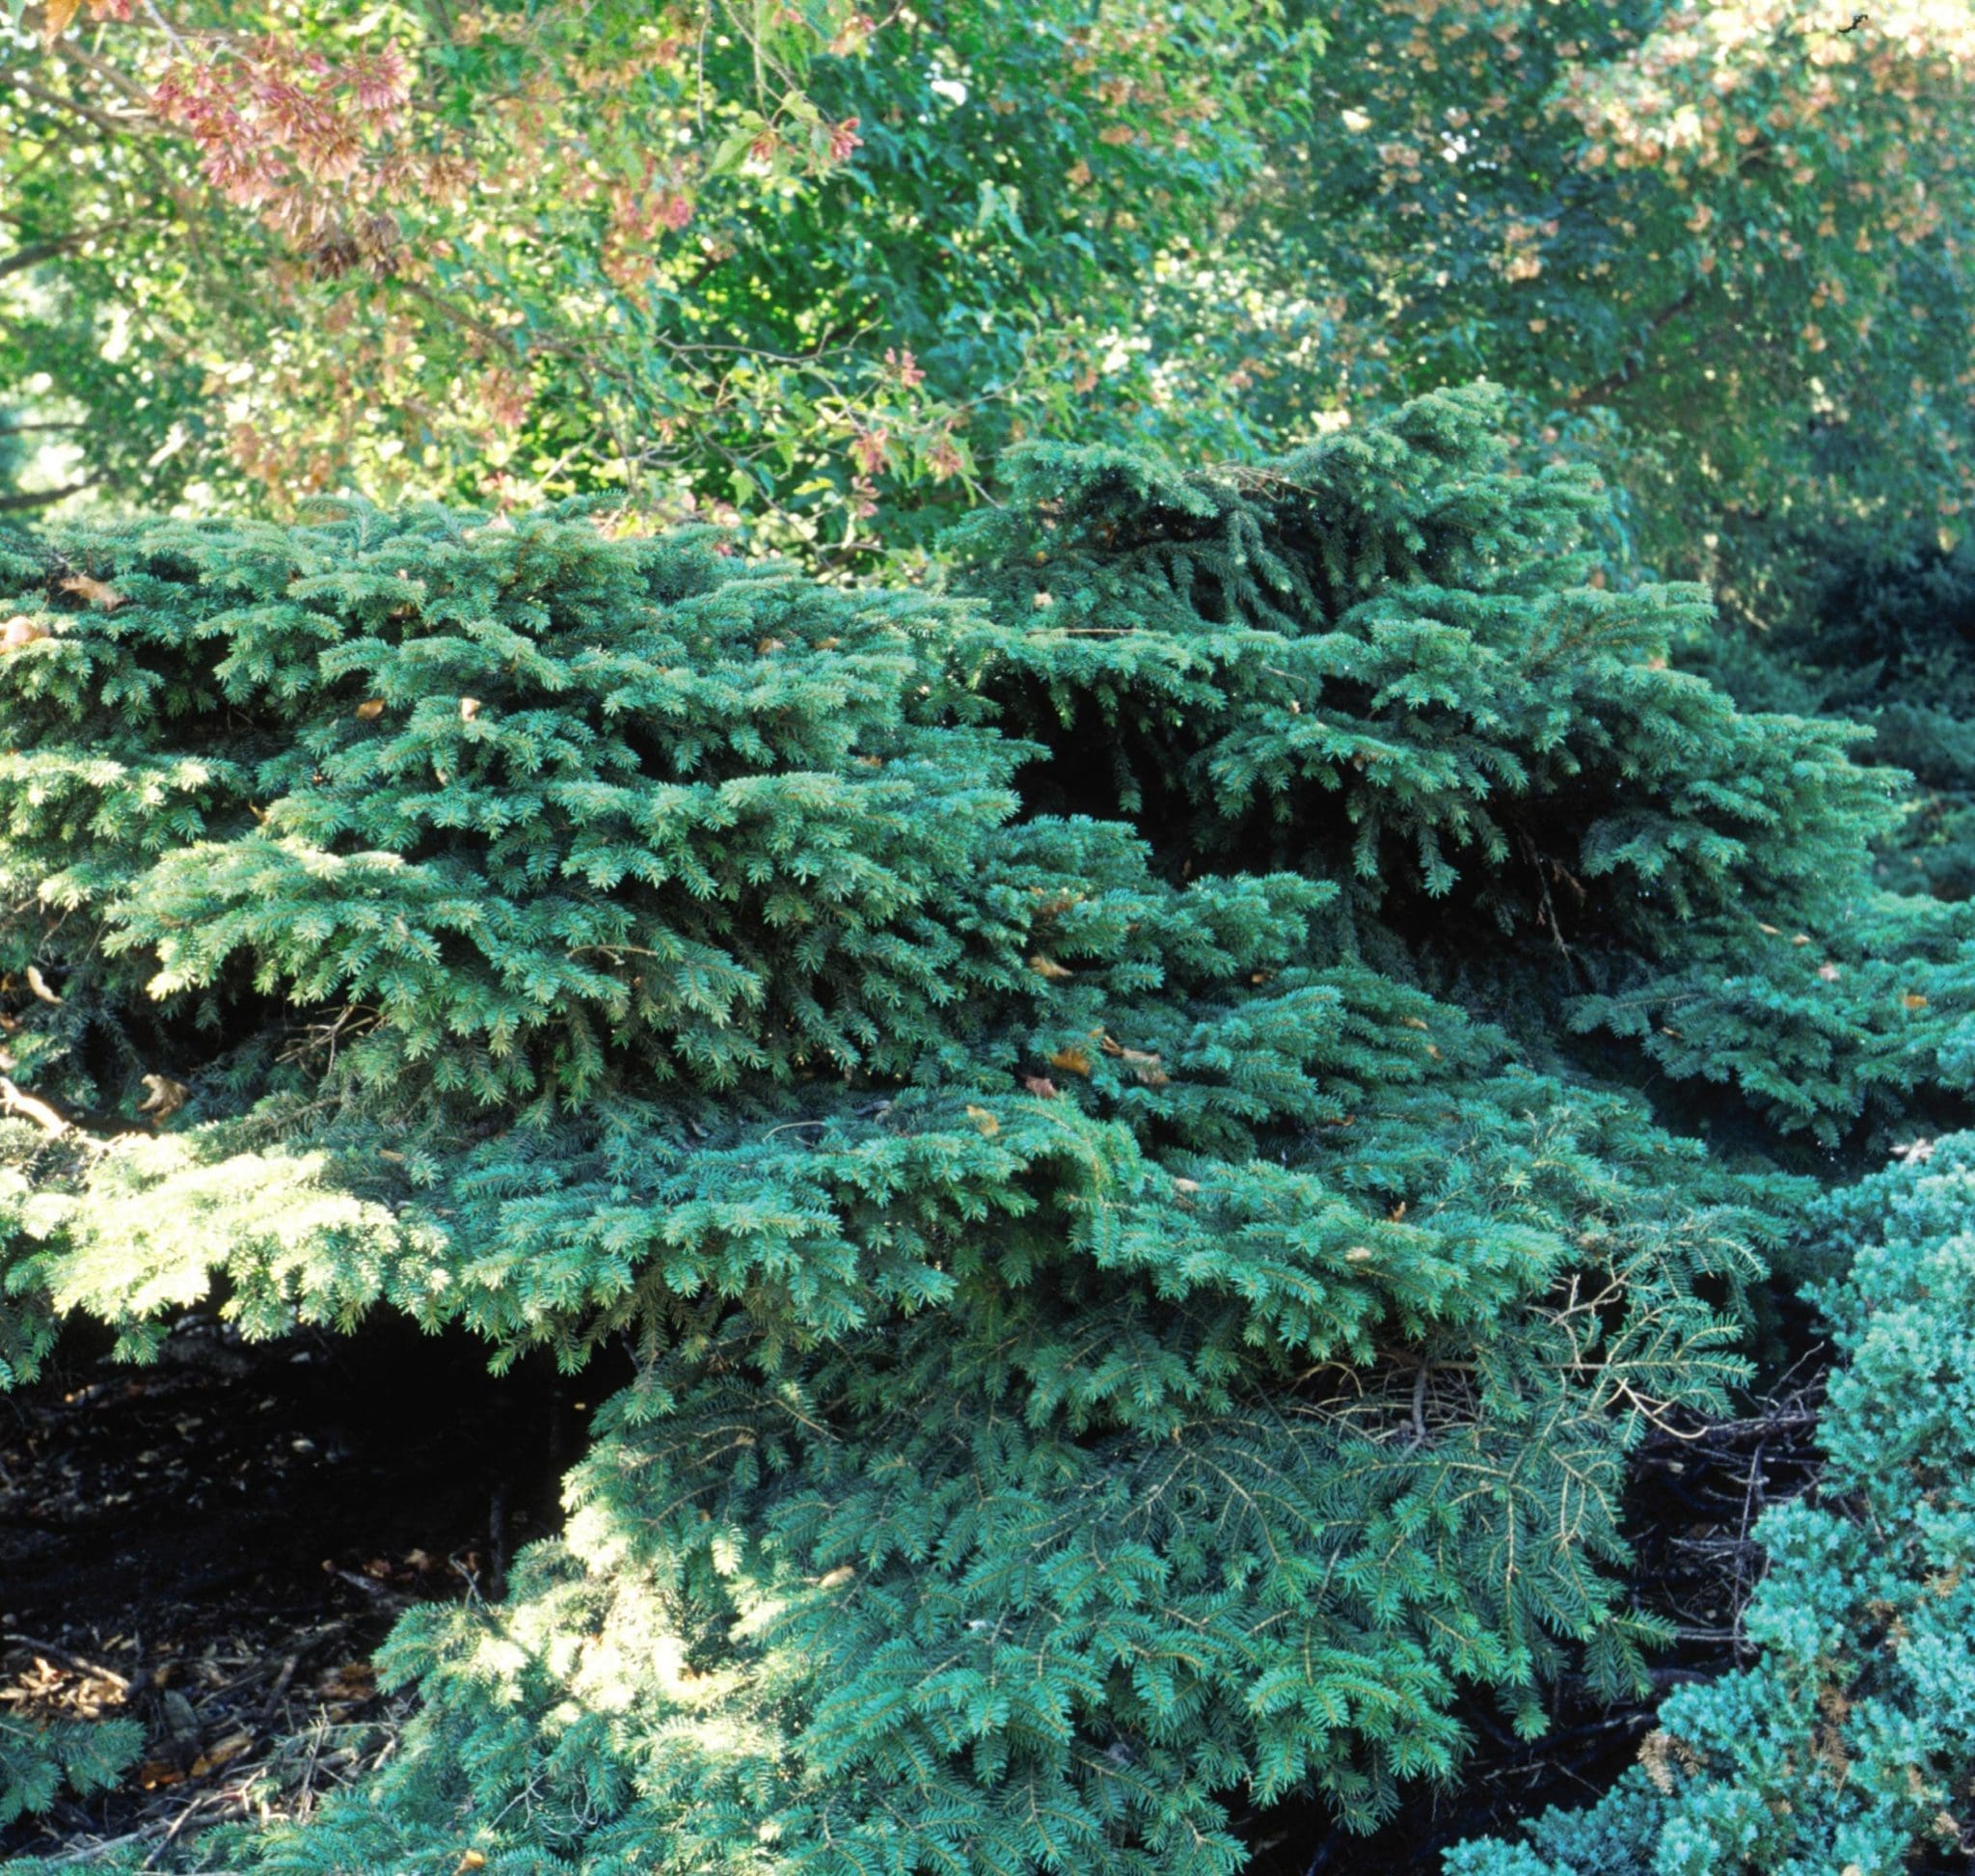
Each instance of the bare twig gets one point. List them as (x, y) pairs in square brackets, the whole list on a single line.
[(13, 1101)]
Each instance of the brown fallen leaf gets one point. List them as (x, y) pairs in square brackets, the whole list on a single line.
[(105, 598), (165, 1099), (1913, 1000), (1072, 1061), (1046, 966), (369, 710), (1040, 1086), (989, 1126), (221, 1752), (38, 984), (20, 630), (468, 709), (15, 1101), (354, 1681)]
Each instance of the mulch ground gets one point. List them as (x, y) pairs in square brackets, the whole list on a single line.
[(215, 1544)]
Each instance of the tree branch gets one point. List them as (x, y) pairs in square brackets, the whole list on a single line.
[(36, 251), (1616, 380), (12, 1101), (42, 498), (104, 121)]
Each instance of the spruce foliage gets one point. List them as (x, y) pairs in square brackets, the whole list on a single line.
[(1391, 661), (1884, 641), (1851, 1744), (1859, 1030), (1132, 1319), (38, 1760)]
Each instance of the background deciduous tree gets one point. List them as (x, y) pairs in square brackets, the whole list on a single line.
[(796, 262), (1739, 226), (814, 264)]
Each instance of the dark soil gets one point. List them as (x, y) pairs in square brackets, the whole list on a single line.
[(216, 1543)]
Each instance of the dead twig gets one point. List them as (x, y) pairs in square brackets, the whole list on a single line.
[(13, 1100)]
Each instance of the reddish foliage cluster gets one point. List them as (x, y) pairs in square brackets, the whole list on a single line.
[(306, 141)]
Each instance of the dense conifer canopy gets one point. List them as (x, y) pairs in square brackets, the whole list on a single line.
[(1122, 1315), (1162, 1069)]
